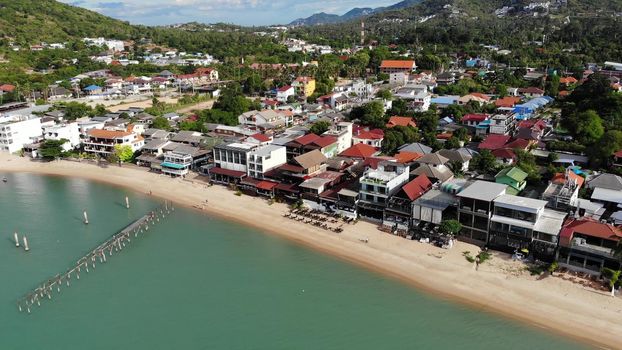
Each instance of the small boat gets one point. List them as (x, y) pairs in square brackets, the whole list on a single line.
[(4, 179)]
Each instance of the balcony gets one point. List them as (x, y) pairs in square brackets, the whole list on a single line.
[(577, 244)]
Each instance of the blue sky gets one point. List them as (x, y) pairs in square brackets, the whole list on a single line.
[(245, 12)]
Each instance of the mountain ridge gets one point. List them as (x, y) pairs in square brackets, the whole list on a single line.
[(355, 13)]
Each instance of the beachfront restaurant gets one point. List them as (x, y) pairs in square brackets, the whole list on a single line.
[(221, 175)]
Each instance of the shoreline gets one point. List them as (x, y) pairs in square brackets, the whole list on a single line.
[(500, 287)]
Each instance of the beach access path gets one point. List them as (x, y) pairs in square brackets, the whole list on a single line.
[(501, 285)]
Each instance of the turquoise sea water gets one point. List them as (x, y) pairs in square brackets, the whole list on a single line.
[(197, 282)]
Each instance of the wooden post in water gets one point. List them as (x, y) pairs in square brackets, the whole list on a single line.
[(127, 202), (86, 218), (26, 248), (16, 239)]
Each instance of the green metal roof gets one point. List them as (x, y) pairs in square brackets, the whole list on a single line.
[(173, 165), (514, 173)]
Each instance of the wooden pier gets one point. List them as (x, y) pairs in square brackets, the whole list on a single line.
[(114, 244)]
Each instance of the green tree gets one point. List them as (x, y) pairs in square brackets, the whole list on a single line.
[(76, 110), (614, 277), (501, 90), (609, 143), (527, 162), (398, 136), (450, 227), (485, 162), (427, 122), (452, 143), (552, 86), (161, 123), (371, 114), (52, 149), (123, 153), (586, 126), (384, 94), (454, 111), (320, 127)]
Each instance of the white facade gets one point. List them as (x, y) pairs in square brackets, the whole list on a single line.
[(282, 94), (232, 156), (114, 45), (343, 132), (398, 79), (265, 158), (377, 185), (102, 142), (17, 131), (69, 132)]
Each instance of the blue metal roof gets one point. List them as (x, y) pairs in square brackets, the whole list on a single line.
[(92, 88), (173, 165)]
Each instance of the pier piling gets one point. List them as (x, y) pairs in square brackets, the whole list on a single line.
[(116, 242), (86, 218), (127, 202), (16, 237)]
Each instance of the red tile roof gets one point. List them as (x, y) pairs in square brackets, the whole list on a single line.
[(475, 117), (568, 80), (261, 137), (494, 141), (307, 139), (107, 134), (227, 172), (417, 187), (530, 123), (618, 154), (284, 88), (368, 135), (588, 227), (407, 157), (509, 101), (372, 162), (531, 90), (7, 88), (401, 121), (519, 143), (324, 141), (401, 64), (359, 150), (266, 185), (504, 153), (480, 95), (560, 178)]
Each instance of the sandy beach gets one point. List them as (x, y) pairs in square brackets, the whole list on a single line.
[(501, 285)]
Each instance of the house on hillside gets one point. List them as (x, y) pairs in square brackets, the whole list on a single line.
[(284, 92), (401, 121), (396, 66)]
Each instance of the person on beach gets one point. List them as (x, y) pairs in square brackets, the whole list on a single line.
[(477, 262)]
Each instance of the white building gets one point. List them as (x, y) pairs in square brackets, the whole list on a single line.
[(102, 142), (69, 132), (256, 119), (417, 96), (17, 131), (343, 132), (284, 92), (114, 45), (265, 158), (232, 156), (377, 185), (176, 163)]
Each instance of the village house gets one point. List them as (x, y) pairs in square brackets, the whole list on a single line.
[(514, 178), (562, 191), (264, 158), (284, 92), (305, 86), (395, 66), (378, 185), (372, 137), (399, 211), (586, 245), (69, 132), (102, 142)]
